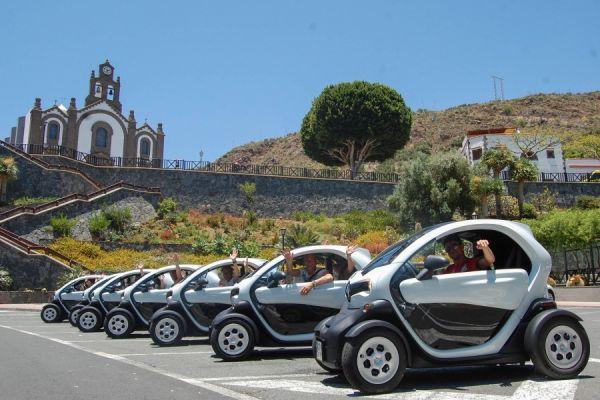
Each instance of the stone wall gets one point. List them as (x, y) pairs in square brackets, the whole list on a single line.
[(565, 193), (33, 226), (30, 270), (219, 192), (35, 181)]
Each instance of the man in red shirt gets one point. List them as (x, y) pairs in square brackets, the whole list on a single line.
[(455, 249)]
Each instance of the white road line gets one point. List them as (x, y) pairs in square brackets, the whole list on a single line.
[(107, 339), (594, 360), (528, 390), (204, 385), (166, 354), (236, 378)]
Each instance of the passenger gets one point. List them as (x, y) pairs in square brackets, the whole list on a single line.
[(455, 249), (174, 277), (341, 269), (310, 274), (230, 274)]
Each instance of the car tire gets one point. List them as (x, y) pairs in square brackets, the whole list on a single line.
[(551, 295), (167, 328), (563, 349), (325, 367), (233, 339), (89, 319), (119, 323), (74, 315), (374, 361), (51, 313)]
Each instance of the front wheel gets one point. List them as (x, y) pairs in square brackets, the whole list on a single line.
[(233, 339), (89, 319), (563, 349), (374, 361), (51, 313), (119, 323), (167, 328)]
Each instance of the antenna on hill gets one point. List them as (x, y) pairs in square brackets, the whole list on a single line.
[(500, 84)]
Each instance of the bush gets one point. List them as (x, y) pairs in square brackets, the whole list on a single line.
[(61, 225), (6, 280), (299, 235), (508, 110), (248, 190), (508, 204), (119, 218), (361, 221), (587, 202), (544, 202), (251, 217), (26, 201), (374, 241), (529, 211), (98, 225), (576, 280), (166, 207), (568, 229)]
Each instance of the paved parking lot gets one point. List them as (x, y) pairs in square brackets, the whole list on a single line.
[(57, 361)]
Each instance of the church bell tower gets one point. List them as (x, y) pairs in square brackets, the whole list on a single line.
[(104, 86)]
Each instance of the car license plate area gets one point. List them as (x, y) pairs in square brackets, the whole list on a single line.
[(319, 350)]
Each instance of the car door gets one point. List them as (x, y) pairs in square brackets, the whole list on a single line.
[(205, 302), (290, 313), (449, 311)]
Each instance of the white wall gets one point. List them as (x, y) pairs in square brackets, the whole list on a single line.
[(117, 143)]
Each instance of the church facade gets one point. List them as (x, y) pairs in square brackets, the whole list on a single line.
[(98, 128)]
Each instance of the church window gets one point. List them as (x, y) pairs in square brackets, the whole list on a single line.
[(101, 138), (145, 147), (53, 129), (98, 90), (110, 94)]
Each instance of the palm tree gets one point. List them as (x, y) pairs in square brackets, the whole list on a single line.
[(497, 159), (521, 171), (8, 172)]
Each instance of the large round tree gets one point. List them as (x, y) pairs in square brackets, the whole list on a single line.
[(354, 122)]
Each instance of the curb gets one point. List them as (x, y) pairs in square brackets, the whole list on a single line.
[(578, 303), (21, 307)]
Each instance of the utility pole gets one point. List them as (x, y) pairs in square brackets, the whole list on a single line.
[(499, 84)]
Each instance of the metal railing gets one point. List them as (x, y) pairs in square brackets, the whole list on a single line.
[(569, 262), (557, 177)]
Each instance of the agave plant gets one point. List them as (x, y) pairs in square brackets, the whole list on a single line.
[(300, 235), (8, 172)]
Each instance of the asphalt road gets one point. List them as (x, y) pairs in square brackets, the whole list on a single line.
[(56, 361)]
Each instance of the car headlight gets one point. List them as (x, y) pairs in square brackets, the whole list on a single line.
[(357, 287)]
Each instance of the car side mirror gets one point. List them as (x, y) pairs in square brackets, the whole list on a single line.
[(275, 278), (432, 264), (201, 283)]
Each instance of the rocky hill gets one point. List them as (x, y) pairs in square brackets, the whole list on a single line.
[(565, 113)]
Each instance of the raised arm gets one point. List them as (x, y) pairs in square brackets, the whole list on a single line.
[(488, 258), (349, 250), (236, 269), (289, 264), (178, 272)]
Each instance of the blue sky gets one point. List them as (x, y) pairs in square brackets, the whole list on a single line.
[(223, 73)]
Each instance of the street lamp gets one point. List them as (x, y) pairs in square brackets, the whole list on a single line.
[(201, 154), (474, 215), (282, 233)]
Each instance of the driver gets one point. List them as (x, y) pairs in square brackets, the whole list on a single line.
[(456, 250), (315, 276)]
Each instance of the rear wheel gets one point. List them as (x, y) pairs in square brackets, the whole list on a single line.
[(374, 361), (167, 328), (89, 319), (119, 323), (563, 349), (233, 339), (74, 315), (51, 313)]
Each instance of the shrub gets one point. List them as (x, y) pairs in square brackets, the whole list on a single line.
[(299, 235), (26, 201), (508, 204), (248, 190), (529, 210), (61, 225), (251, 217), (576, 280), (587, 202), (216, 220), (361, 221), (118, 218), (374, 241), (98, 225), (508, 110), (551, 281), (544, 202), (568, 229), (167, 234), (202, 246), (166, 207), (6, 280)]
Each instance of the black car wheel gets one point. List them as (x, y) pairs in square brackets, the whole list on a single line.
[(563, 349), (51, 313), (89, 319), (374, 361), (167, 328), (119, 323), (233, 339), (74, 315)]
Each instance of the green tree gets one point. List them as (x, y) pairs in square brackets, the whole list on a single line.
[(587, 146), (354, 122), (483, 185), (432, 189), (248, 190), (497, 159), (8, 172), (522, 171)]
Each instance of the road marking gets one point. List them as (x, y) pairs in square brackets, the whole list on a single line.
[(107, 339), (528, 390), (198, 383), (236, 378), (595, 360), (166, 354)]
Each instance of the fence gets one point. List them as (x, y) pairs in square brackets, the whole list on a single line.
[(559, 177), (585, 262)]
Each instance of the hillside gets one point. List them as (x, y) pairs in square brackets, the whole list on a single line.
[(571, 113)]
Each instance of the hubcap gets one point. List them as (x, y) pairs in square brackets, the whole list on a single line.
[(74, 316), (563, 347), (118, 324), (167, 329), (88, 320), (49, 314), (233, 339), (377, 360)]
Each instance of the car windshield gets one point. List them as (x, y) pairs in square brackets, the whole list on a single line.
[(387, 255)]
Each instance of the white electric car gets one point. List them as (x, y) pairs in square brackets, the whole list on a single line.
[(141, 300), (193, 303), (267, 312), (401, 311), (66, 297), (73, 316), (104, 298)]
